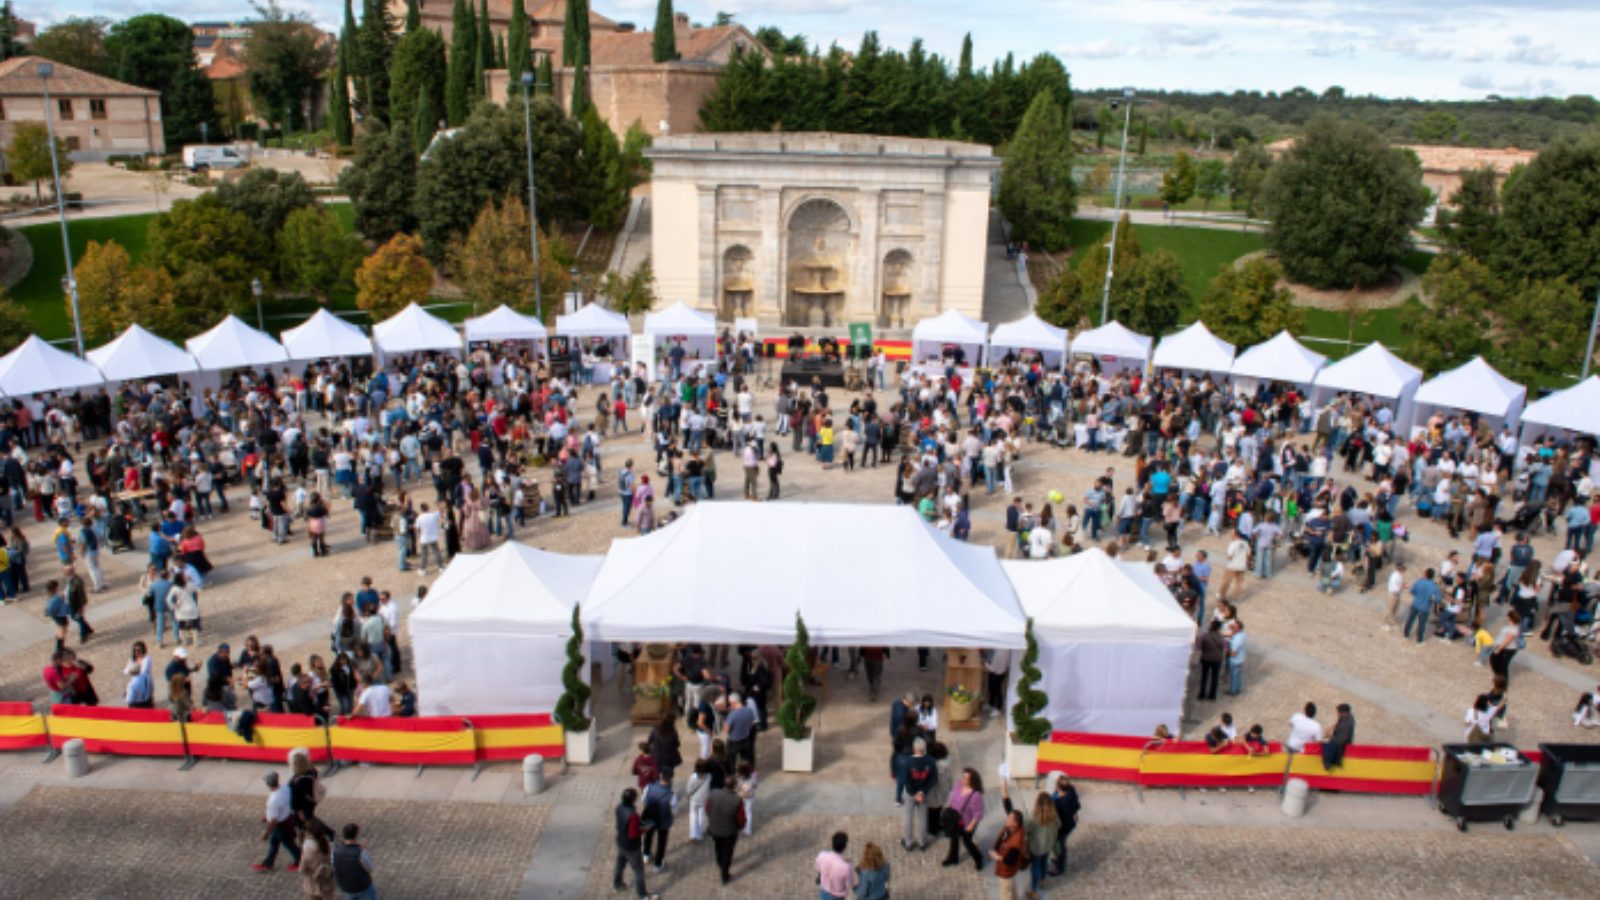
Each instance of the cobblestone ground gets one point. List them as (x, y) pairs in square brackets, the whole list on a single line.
[(1151, 862), (76, 843)]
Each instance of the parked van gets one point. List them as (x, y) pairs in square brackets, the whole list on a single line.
[(202, 158)]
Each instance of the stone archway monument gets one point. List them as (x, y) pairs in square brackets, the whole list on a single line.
[(820, 230)]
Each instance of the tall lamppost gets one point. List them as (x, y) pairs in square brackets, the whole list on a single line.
[(256, 289), (1589, 353), (1116, 212), (70, 285), (528, 86)]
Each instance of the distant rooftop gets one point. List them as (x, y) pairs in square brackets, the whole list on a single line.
[(819, 142)]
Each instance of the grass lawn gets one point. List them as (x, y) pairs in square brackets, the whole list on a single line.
[(1202, 252), (40, 291)]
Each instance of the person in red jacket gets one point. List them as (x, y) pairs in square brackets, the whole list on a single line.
[(630, 845)]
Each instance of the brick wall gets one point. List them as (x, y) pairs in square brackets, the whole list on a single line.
[(648, 94)]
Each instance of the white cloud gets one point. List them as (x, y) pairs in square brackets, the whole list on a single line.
[(1414, 49), (1325, 50), (1184, 37), (1477, 55), (1527, 87), (1101, 49), (1591, 62), (1524, 50)]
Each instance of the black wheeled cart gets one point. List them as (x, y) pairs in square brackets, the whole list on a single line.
[(1485, 783), (1570, 777)]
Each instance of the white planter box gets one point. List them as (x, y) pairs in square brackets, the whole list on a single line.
[(580, 747), (1023, 759), (797, 755)]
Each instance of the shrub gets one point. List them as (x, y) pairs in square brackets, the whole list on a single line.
[(1030, 728), (574, 699), (797, 704)]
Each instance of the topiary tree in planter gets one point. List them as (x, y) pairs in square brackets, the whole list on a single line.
[(797, 704), (1030, 728), (574, 699)]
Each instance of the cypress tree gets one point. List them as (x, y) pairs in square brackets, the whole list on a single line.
[(1037, 193), (517, 49), (665, 45), (419, 64), (580, 92), (485, 51), (569, 34), (458, 90), (413, 16), (377, 49), (546, 79), (348, 52), (427, 120), (500, 61), (339, 106)]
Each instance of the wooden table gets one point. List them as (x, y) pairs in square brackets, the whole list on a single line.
[(963, 666)]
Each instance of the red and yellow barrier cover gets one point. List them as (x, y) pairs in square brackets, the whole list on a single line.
[(273, 737), (128, 732), (516, 736), (1369, 770), (20, 727), (408, 742)]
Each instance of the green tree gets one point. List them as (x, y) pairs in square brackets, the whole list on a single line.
[(463, 57), (1063, 303), (1037, 194), (414, 15), (1245, 305), (492, 264), (77, 41), (15, 323), (485, 48), (633, 294), (266, 198), (344, 131), (1455, 325), (113, 293), (1470, 226), (1144, 134), (377, 40), (1211, 181), (1342, 204), (157, 52), (1030, 727), (1544, 327), (395, 276), (1438, 127), (664, 44), (10, 47), (1551, 217), (519, 54), (203, 232), (605, 198), (575, 35), (419, 68), (1178, 183), (797, 704), (382, 183), (285, 61), (1149, 297), (572, 707), (315, 254), (1092, 267), (426, 120), (28, 156), (1247, 175), (545, 81), (580, 88)]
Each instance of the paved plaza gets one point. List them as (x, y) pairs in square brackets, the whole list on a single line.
[(140, 828)]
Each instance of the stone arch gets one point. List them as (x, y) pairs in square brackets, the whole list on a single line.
[(736, 299), (819, 247), (898, 276)]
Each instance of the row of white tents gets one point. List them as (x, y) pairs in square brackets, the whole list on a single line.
[(1114, 645)]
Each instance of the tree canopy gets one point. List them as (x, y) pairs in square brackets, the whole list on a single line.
[(1037, 193), (157, 52)]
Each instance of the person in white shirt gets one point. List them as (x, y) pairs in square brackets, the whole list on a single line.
[(427, 526), (1304, 729), (1397, 584), (373, 703)]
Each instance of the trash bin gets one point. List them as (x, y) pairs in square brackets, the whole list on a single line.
[(1295, 794), (76, 757), (1485, 783), (533, 774), (1570, 777)]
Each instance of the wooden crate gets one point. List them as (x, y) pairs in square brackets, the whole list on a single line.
[(963, 667)]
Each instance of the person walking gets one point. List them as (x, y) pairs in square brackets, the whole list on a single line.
[(1213, 654), (962, 816), (281, 823), (725, 819), (316, 863), (630, 845), (1041, 828), (1397, 584), (659, 805), (921, 776), (352, 866), (1425, 596), (835, 878), (1238, 563), (1010, 853), (1236, 654), (1065, 798)]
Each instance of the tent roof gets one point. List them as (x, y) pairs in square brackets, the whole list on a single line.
[(323, 336), (1475, 387), (1113, 339), (413, 329), (1575, 409), (1281, 359), (504, 324), (1195, 348), (889, 579), (38, 368), (516, 589), (593, 321), (680, 319), (1029, 333), (1090, 597), (233, 344), (137, 353), (952, 327), (1373, 370)]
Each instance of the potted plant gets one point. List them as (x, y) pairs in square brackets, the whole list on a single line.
[(963, 703), (797, 704), (1022, 744), (572, 707), (650, 700)]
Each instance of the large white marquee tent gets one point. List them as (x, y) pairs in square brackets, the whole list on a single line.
[(1574, 411), (1281, 359), (1030, 333), (325, 336), (235, 345), (952, 326), (1113, 645), (505, 324), (137, 353), (415, 330), (1473, 387), (1375, 372), (682, 324), (1115, 346), (35, 367), (1194, 349)]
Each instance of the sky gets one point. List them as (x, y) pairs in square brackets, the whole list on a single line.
[(1428, 49)]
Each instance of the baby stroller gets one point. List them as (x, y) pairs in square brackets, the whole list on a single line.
[(1299, 548), (1526, 520), (120, 532), (1566, 642)]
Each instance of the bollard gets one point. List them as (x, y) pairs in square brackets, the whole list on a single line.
[(1294, 797), (1530, 813), (77, 758), (533, 774)]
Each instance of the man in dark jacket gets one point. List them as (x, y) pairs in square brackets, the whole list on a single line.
[(630, 845), (352, 866), (1065, 798), (1344, 734), (723, 811)]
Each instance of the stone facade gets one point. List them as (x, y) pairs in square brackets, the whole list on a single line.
[(664, 98), (95, 116), (820, 229)]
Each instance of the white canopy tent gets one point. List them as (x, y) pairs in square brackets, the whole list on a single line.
[(1194, 349), (1114, 346), (891, 580), (38, 368), (137, 354), (1475, 387), (415, 330), (1114, 645), (235, 345), (593, 321), (952, 327), (1280, 359), (1031, 333), (1376, 372), (325, 336), (1574, 411), (680, 324), (491, 637), (506, 324)]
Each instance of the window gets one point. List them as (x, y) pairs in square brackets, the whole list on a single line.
[(74, 145), (97, 109), (64, 107)]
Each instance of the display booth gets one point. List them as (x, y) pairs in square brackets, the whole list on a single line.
[(491, 636), (1114, 348), (593, 327), (413, 330), (231, 345), (935, 340), (1281, 359), (35, 367), (1376, 373), (137, 354), (1476, 388), (1114, 646), (505, 324), (1030, 336), (1574, 412), (1194, 349), (325, 336), (691, 329)]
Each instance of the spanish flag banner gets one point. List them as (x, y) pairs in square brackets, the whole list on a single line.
[(20, 727), (1369, 770), (513, 737), (1100, 757), (404, 742), (272, 738), (127, 732), (1192, 764)]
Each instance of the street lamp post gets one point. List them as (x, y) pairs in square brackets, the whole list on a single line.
[(1116, 212), (256, 289), (528, 86), (45, 70), (1593, 326)]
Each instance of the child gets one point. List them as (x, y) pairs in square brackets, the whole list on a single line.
[(1255, 742), (1585, 715), (256, 504), (699, 790), (301, 498), (645, 768), (747, 792), (1450, 610), (1482, 641)]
